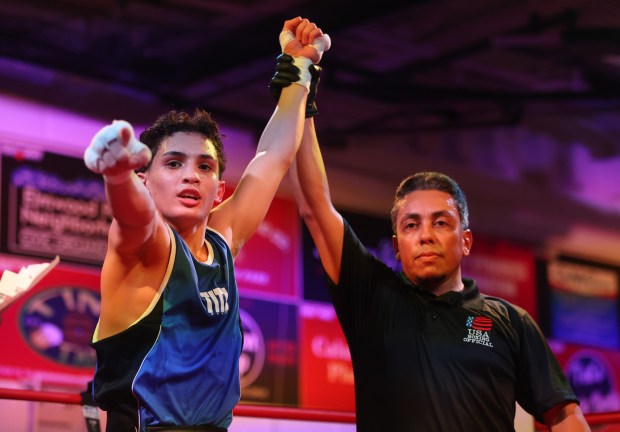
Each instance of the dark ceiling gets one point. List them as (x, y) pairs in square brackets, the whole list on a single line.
[(396, 69), (395, 66)]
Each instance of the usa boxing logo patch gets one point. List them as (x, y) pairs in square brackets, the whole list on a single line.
[(479, 330)]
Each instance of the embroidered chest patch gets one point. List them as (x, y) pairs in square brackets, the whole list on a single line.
[(479, 330)]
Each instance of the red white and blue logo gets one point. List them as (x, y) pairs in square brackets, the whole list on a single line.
[(480, 323), (479, 330)]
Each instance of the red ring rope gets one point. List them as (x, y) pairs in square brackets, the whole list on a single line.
[(262, 411), (241, 410)]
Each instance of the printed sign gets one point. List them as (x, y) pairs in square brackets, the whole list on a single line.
[(268, 362), (58, 323), (583, 300), (326, 372), (503, 269), (54, 206), (267, 263), (49, 328), (593, 375)]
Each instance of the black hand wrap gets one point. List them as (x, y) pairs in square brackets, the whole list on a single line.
[(287, 73), (315, 73)]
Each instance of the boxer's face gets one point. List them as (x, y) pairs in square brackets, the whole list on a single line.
[(183, 179)]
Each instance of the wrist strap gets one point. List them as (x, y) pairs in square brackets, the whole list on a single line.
[(303, 63)]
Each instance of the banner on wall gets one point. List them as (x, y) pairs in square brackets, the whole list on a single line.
[(326, 372), (593, 374), (503, 269), (376, 235), (584, 303), (268, 362), (49, 328), (268, 262), (53, 206)]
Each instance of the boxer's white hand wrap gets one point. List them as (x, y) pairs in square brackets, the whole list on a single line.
[(320, 44), (106, 150), (285, 37), (303, 63)]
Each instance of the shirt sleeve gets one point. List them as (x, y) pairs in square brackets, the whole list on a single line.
[(356, 292), (541, 383)]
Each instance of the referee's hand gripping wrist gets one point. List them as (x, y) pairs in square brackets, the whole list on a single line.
[(306, 43)]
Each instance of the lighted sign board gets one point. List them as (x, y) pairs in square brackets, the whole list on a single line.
[(53, 206)]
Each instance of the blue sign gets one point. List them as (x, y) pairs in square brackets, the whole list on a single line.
[(58, 323)]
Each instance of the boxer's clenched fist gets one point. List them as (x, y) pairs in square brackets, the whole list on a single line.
[(114, 152)]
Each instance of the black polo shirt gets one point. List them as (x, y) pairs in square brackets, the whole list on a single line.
[(455, 362)]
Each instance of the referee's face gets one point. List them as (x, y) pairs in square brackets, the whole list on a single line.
[(430, 240)]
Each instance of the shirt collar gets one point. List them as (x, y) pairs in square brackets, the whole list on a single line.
[(470, 295)]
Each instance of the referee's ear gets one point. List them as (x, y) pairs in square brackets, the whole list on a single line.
[(468, 241), (395, 247)]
